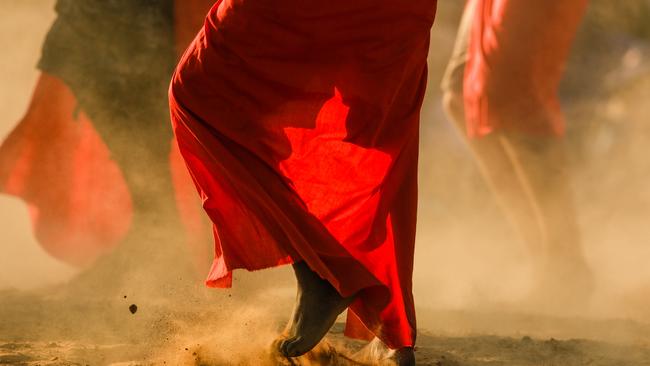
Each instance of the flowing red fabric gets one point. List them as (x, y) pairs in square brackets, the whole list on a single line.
[(299, 125), (58, 164), (78, 201), (517, 53)]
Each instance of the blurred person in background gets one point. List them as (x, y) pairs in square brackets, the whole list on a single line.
[(501, 90), (93, 155)]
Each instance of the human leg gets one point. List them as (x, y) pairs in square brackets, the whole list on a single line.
[(318, 304)]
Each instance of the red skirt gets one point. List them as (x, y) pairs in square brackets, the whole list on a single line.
[(299, 125), (516, 58)]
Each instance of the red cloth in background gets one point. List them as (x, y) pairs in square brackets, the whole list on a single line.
[(79, 203), (517, 53), (58, 164), (299, 125)]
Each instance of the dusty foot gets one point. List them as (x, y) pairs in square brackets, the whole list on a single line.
[(318, 304), (376, 353), (404, 356)]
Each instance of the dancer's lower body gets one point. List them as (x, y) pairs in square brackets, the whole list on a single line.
[(304, 151)]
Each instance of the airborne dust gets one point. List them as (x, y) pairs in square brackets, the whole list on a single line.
[(472, 275)]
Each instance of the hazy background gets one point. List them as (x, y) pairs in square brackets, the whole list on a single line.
[(467, 257)]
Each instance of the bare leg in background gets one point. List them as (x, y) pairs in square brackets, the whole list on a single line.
[(530, 179)]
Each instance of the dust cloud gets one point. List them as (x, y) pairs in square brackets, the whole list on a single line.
[(473, 274)]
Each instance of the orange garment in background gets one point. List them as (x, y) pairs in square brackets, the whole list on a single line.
[(299, 124), (59, 165), (56, 162), (78, 201), (517, 53)]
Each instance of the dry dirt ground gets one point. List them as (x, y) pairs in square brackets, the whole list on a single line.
[(46, 329)]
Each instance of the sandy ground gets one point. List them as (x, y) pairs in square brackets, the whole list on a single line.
[(436, 351), (228, 329)]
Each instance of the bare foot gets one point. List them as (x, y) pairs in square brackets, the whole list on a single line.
[(318, 304), (404, 356)]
